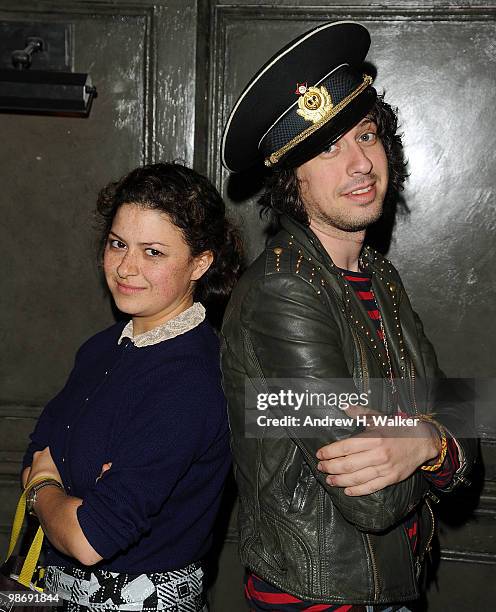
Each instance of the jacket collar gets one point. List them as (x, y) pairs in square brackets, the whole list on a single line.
[(306, 239), (371, 259)]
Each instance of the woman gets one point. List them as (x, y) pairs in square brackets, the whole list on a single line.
[(134, 451)]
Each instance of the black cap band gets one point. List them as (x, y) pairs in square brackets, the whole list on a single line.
[(315, 107)]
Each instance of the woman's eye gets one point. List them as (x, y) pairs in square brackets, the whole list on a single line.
[(368, 137), (116, 244), (153, 252)]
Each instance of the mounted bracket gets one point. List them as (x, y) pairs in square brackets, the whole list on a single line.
[(35, 71)]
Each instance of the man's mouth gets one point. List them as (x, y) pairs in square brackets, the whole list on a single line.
[(364, 190), (363, 194), (361, 189)]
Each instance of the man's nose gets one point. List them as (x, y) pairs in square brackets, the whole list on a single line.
[(128, 265), (358, 162)]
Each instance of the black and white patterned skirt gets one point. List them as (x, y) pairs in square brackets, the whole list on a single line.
[(101, 590)]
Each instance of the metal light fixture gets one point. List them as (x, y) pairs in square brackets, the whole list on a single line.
[(43, 91)]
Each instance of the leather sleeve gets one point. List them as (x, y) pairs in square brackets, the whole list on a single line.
[(453, 408), (294, 334)]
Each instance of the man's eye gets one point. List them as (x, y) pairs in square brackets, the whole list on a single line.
[(153, 252), (368, 137), (116, 244)]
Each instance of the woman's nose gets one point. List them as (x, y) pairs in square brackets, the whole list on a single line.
[(128, 265)]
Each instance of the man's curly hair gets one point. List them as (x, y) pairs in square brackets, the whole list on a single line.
[(282, 187)]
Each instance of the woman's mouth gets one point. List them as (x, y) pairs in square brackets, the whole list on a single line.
[(128, 289)]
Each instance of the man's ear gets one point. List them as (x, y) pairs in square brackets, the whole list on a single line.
[(202, 264)]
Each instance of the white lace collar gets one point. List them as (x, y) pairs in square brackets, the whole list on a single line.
[(184, 322)]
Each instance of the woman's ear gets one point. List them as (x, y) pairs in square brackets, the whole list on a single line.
[(202, 264)]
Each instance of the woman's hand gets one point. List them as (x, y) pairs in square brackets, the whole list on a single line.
[(25, 476), (105, 468), (43, 466)]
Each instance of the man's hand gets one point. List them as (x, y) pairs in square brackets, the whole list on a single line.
[(378, 457), (43, 466)]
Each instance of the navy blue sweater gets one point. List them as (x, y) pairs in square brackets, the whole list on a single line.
[(158, 414)]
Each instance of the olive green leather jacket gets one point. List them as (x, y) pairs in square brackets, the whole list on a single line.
[(293, 316)]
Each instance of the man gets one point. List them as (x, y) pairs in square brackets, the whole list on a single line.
[(337, 518)]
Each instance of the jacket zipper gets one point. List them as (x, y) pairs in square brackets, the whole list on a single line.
[(412, 386), (374, 565), (364, 371), (365, 385), (427, 548)]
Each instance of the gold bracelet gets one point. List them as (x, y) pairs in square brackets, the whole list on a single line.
[(444, 444)]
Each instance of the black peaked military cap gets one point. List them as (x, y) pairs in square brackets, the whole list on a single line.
[(302, 100)]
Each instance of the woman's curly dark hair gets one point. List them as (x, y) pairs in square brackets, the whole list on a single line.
[(282, 187), (193, 205)]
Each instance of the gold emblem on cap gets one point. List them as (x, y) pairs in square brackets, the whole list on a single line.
[(314, 104), (324, 117)]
